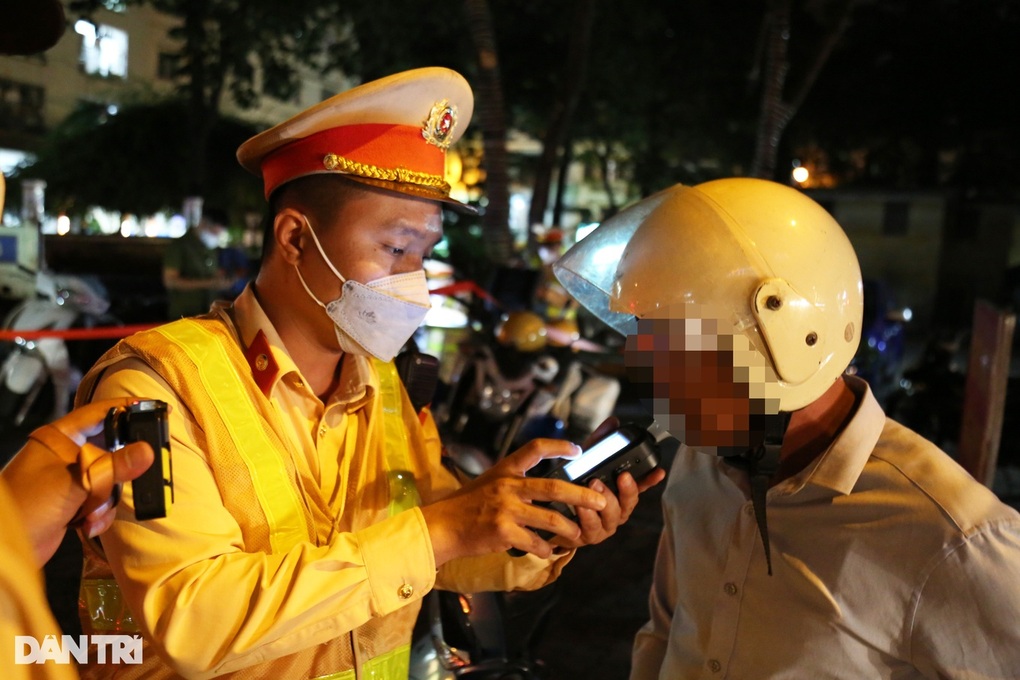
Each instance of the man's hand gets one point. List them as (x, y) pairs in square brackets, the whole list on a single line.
[(58, 477), (495, 512), (598, 526)]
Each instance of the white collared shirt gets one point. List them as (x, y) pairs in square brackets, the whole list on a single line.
[(889, 561)]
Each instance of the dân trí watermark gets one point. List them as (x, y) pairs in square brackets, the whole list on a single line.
[(116, 649)]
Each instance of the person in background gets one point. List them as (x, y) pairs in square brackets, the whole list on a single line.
[(192, 275), (236, 268), (312, 512), (806, 534)]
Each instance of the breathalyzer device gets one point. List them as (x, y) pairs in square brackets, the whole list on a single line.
[(630, 449), (146, 421)]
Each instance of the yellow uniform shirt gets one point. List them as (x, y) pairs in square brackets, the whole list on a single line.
[(209, 592)]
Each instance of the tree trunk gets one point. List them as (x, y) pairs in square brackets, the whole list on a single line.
[(491, 116), (194, 47), (603, 156), (203, 46), (774, 115), (575, 73), (561, 183), (777, 111)]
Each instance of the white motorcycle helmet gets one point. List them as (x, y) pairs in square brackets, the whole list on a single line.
[(772, 261)]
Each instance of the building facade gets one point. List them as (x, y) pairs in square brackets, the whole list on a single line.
[(114, 57)]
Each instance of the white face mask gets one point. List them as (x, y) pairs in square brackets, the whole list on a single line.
[(377, 317)]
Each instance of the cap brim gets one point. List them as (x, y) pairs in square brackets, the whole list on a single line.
[(403, 189), (416, 192)]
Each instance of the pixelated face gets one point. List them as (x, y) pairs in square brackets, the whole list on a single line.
[(702, 379)]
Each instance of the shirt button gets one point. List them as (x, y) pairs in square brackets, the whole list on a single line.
[(730, 588), (405, 591), (714, 666), (322, 431)]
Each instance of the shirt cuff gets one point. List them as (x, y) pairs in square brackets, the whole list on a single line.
[(399, 560)]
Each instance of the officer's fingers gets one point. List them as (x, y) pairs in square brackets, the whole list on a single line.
[(87, 420), (131, 461), (526, 457), (557, 490), (651, 479), (536, 518), (594, 525), (615, 513), (628, 498)]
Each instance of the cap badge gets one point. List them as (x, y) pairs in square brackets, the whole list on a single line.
[(440, 124)]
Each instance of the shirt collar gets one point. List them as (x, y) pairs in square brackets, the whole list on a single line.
[(270, 362), (839, 467)]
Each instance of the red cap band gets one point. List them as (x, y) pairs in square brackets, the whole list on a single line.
[(376, 146)]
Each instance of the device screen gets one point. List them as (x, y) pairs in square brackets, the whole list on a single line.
[(596, 455)]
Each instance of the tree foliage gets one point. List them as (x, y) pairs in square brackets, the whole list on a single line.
[(244, 48), (913, 95), (128, 162), (920, 95)]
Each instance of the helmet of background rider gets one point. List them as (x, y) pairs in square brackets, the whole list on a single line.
[(765, 265), (524, 331)]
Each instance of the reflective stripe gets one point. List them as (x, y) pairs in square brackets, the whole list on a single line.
[(107, 612), (393, 665), (403, 490), (276, 492)]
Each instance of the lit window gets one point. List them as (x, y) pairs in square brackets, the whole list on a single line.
[(104, 49)]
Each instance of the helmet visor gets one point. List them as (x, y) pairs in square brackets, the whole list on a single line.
[(589, 269), (676, 248)]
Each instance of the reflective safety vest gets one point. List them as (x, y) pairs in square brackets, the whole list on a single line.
[(210, 356), (395, 665)]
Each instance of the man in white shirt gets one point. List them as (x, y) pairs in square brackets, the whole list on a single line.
[(806, 535)]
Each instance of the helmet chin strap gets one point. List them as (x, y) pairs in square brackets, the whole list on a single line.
[(761, 462)]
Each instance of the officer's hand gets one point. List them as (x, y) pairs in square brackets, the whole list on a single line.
[(58, 478), (495, 512), (598, 526)]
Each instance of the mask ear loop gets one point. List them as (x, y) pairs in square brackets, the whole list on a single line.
[(307, 289), (324, 258), (322, 252)]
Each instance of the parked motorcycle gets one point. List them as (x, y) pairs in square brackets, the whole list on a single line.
[(61, 302), (524, 382)]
